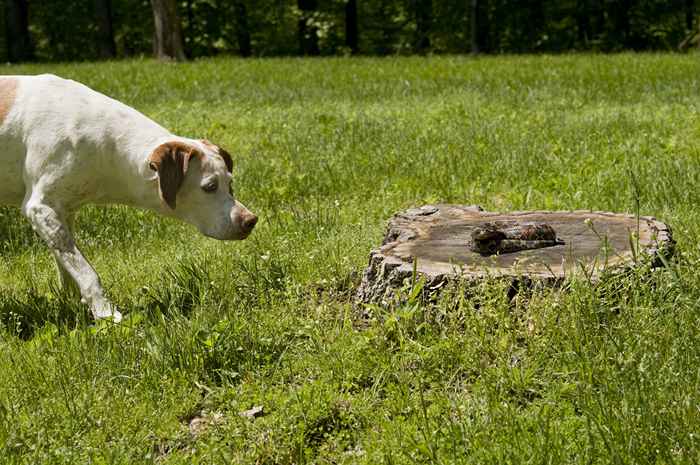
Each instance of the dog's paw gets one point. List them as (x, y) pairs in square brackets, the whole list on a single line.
[(105, 310)]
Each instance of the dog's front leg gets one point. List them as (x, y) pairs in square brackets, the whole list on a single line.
[(51, 225), (65, 279)]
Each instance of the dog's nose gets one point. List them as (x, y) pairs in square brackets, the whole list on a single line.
[(249, 222)]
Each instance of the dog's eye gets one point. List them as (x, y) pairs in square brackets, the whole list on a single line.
[(211, 186)]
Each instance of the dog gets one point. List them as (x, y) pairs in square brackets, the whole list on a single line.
[(64, 145)]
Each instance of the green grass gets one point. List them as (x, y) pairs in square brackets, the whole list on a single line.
[(325, 151)]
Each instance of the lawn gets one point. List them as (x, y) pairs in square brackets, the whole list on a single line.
[(325, 150)]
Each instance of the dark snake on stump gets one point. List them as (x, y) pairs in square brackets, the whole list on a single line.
[(506, 237)]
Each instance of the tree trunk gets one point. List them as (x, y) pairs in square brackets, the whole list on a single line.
[(188, 32), (535, 25), (583, 22), (19, 44), (483, 33), (474, 26), (351, 36), (689, 14), (621, 21), (242, 28), (692, 39), (386, 36), (424, 19), (168, 31), (308, 32), (598, 26), (105, 34)]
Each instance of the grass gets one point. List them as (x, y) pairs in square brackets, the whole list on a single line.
[(325, 151)]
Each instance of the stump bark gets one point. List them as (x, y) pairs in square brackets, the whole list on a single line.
[(439, 243)]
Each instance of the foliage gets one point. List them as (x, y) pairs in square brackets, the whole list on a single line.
[(325, 151), (65, 29)]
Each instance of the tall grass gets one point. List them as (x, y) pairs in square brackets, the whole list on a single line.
[(325, 151)]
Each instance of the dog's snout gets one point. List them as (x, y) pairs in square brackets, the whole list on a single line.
[(242, 220), (248, 222)]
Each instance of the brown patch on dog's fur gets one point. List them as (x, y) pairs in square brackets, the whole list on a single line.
[(170, 161), (223, 153), (209, 144), (8, 92)]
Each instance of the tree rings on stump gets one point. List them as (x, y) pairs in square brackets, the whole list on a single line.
[(442, 242)]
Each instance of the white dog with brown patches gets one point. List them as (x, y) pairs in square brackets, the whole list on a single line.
[(63, 145)]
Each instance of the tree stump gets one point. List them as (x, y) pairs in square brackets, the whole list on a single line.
[(443, 242)]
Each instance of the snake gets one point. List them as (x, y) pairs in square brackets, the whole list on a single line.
[(501, 237)]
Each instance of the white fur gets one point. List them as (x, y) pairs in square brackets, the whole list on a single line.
[(65, 145)]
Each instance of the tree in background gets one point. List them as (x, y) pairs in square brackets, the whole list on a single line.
[(351, 30), (692, 38), (483, 33), (308, 31), (19, 43), (242, 28), (474, 26), (91, 29), (534, 25), (133, 27), (620, 13), (423, 11), (105, 32), (167, 41), (583, 22), (383, 25), (689, 14)]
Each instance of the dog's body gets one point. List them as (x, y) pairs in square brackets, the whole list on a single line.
[(64, 145)]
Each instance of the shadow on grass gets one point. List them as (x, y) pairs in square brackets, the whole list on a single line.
[(16, 234), (214, 331), (24, 315), (180, 290)]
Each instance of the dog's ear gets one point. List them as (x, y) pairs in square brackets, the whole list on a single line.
[(223, 153), (227, 159), (170, 161)]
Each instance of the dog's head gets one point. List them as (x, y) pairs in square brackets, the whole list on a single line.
[(194, 181)]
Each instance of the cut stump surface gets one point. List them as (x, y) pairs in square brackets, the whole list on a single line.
[(440, 239)]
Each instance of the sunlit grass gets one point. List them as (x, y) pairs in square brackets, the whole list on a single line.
[(325, 151)]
